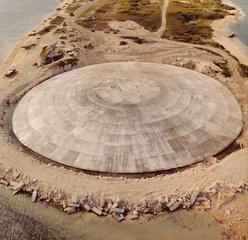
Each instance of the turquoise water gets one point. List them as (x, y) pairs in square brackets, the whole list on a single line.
[(18, 18), (241, 27)]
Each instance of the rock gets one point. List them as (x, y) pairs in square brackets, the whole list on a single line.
[(135, 39), (34, 195), (193, 197), (186, 205), (10, 72), (103, 203), (75, 205), (228, 212), (123, 43), (51, 54), (34, 180), (214, 188), (4, 182), (118, 210), (214, 191), (232, 35), (115, 205), (215, 68), (185, 62), (70, 210), (171, 202), (207, 204), (201, 199), (96, 211), (104, 213), (75, 199), (16, 187), (134, 216), (89, 46), (119, 217), (135, 212), (175, 206), (86, 207), (146, 210), (239, 189), (108, 207)]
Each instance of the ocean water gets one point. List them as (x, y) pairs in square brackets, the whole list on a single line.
[(241, 27), (18, 18)]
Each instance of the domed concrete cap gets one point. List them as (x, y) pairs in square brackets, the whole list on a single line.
[(128, 117)]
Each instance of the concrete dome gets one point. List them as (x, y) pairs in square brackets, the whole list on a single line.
[(128, 117)]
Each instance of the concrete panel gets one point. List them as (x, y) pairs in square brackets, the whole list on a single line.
[(128, 117)]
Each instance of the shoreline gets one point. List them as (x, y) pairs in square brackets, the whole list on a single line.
[(222, 32), (62, 183), (10, 57), (23, 36)]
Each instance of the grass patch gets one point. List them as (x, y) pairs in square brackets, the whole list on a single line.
[(190, 21), (46, 30), (135, 39), (243, 69), (60, 31), (74, 6), (225, 69), (28, 47), (147, 13), (57, 20), (209, 51)]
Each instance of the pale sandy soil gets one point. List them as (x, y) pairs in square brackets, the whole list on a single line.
[(161, 30), (62, 184)]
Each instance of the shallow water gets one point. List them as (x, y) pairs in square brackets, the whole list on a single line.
[(241, 27), (23, 220), (18, 18)]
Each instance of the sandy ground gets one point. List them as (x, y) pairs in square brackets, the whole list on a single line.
[(229, 172), (161, 30)]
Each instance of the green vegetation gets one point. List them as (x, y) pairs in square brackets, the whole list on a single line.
[(74, 6), (147, 13), (46, 30), (190, 21), (225, 69), (243, 69), (57, 20), (28, 47), (60, 30), (209, 51)]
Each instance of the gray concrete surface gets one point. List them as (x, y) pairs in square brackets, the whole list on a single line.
[(128, 117)]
